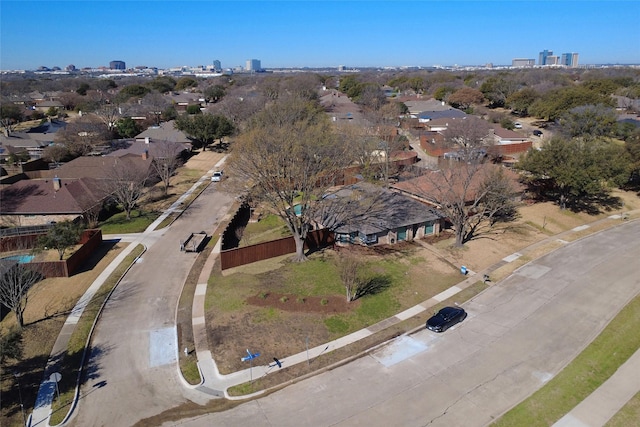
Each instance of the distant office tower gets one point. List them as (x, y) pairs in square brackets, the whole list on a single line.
[(217, 65), (552, 60), (523, 62), (542, 60), (117, 65), (253, 65), (569, 59)]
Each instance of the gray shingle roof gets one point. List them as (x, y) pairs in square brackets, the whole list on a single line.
[(165, 132), (375, 209)]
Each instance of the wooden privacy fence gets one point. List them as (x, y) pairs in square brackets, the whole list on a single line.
[(240, 256), (90, 240)]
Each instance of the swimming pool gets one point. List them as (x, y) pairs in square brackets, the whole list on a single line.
[(22, 259)]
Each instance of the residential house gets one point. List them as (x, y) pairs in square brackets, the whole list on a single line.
[(44, 201), (33, 141), (417, 106), (46, 104), (166, 131), (504, 142), (149, 148), (184, 99), (371, 215), (432, 186), (451, 113), (97, 167)]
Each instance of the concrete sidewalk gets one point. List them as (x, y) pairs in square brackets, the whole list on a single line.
[(597, 409)]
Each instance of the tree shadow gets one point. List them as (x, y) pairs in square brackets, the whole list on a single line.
[(21, 381), (592, 204), (97, 256), (14, 197), (595, 204), (372, 286)]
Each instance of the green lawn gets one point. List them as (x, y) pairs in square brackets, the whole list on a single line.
[(617, 342), (118, 223), (316, 298), (271, 227)]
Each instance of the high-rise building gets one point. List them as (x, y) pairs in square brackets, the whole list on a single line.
[(569, 59), (574, 59), (117, 65), (552, 60), (253, 65), (217, 65), (523, 62), (542, 59)]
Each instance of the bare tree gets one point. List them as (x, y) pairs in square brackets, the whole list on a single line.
[(289, 159), (166, 159), (473, 196), (126, 182), (153, 105), (55, 153), (109, 113), (239, 109), (468, 134), (349, 267), (81, 136), (15, 281)]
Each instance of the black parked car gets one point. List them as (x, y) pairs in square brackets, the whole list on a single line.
[(537, 132), (446, 318)]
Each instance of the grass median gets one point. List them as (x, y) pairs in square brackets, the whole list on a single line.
[(615, 344)]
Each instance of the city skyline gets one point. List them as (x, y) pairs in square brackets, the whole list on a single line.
[(282, 34)]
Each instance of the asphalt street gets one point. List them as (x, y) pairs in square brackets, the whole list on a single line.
[(132, 371), (519, 334)]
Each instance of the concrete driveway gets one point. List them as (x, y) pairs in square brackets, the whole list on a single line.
[(519, 334), (132, 371)]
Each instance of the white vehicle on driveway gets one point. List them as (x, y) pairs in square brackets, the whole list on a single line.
[(217, 176)]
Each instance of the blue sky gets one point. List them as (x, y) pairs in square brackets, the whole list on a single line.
[(164, 34)]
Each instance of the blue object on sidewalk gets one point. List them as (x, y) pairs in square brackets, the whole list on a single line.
[(463, 270)]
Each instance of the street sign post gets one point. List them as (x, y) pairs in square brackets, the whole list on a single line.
[(250, 356), (56, 377)]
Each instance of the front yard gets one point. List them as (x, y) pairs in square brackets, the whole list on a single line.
[(284, 307)]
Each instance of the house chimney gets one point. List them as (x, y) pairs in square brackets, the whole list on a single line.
[(146, 140), (56, 183), (145, 155)]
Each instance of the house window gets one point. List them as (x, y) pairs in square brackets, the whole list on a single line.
[(346, 238), (428, 229), (402, 234), (368, 239)]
